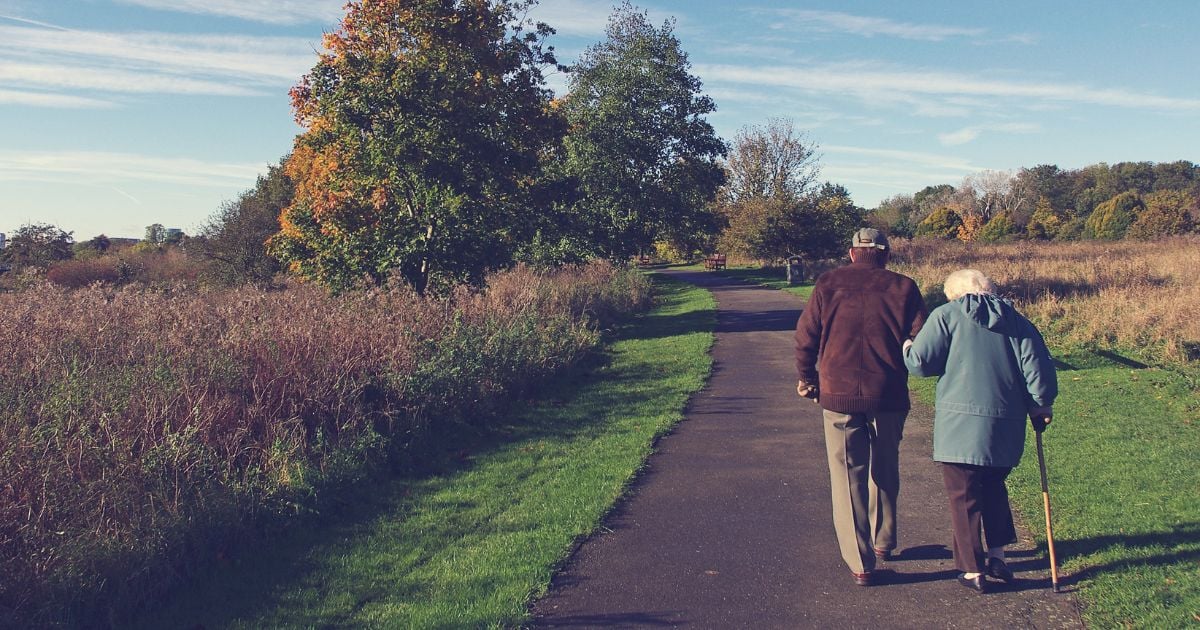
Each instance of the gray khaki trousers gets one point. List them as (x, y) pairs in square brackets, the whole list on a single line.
[(864, 479)]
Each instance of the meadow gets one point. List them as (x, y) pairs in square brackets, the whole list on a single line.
[(146, 431)]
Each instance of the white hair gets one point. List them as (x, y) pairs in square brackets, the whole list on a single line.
[(966, 281)]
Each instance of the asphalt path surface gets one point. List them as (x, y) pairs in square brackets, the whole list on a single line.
[(729, 525)]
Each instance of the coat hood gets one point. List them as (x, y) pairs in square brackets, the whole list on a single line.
[(989, 311)]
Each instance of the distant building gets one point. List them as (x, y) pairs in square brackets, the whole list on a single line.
[(2, 241)]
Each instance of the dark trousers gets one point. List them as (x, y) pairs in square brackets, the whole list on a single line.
[(977, 497)]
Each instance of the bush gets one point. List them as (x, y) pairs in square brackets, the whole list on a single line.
[(998, 230), (1166, 214), (141, 431), (78, 273), (941, 223), (1110, 220)]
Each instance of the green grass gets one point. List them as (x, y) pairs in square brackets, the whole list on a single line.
[(1123, 461), (471, 543)]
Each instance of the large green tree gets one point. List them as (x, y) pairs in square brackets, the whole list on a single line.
[(1113, 217), (644, 158), (37, 245), (425, 122)]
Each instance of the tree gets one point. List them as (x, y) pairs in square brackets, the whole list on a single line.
[(643, 155), (37, 245), (1112, 218), (941, 223), (1046, 222), (1000, 229), (235, 239), (425, 121), (771, 161), (894, 216), (1166, 213), (156, 234), (769, 173), (930, 198)]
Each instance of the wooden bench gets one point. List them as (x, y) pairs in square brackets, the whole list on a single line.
[(714, 261), (643, 260)]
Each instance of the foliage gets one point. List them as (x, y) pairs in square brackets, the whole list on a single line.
[(141, 430), (1001, 228), (36, 245), (1167, 213), (941, 223), (772, 161), (639, 147), (424, 124), (1112, 218), (1046, 221), (234, 240), (894, 216)]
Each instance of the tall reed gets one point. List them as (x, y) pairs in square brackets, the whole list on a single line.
[(136, 425), (1110, 294)]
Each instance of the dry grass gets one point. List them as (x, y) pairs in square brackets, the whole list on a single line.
[(138, 425), (1132, 295)]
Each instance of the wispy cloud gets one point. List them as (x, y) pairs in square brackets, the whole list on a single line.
[(266, 11), (110, 169), (867, 26), (574, 17), (46, 99), (13, 18), (969, 134), (871, 82), (68, 68)]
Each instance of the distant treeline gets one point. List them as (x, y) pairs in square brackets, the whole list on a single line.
[(1141, 200)]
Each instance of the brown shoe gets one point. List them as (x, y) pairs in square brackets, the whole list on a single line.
[(863, 579)]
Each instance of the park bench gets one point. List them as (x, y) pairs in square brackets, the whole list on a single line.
[(643, 260), (714, 261)]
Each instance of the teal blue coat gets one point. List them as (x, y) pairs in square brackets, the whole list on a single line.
[(994, 369)]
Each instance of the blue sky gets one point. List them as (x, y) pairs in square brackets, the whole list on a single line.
[(115, 114)]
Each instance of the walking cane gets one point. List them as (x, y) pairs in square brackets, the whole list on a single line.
[(1046, 503)]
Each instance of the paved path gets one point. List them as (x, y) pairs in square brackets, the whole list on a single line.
[(729, 526)]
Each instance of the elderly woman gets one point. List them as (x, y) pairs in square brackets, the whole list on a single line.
[(995, 370)]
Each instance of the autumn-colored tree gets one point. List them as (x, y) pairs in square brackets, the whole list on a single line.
[(1166, 214), (424, 122), (639, 146)]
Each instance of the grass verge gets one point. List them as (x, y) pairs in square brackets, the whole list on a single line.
[(773, 277), (1121, 458), (472, 541)]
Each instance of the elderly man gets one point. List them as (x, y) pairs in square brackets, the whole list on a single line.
[(995, 370), (848, 354)]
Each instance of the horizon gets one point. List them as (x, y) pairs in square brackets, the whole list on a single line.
[(896, 98)]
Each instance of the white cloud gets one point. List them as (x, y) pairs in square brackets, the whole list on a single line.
[(65, 68), (969, 134), (872, 83), (106, 80), (45, 99), (866, 26), (574, 17), (109, 169), (266, 11)]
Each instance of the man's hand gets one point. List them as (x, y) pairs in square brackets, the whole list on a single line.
[(806, 391), (1040, 418)]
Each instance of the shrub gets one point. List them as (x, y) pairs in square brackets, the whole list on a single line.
[(998, 230), (84, 271), (1111, 219), (140, 431), (941, 223), (1166, 214)]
